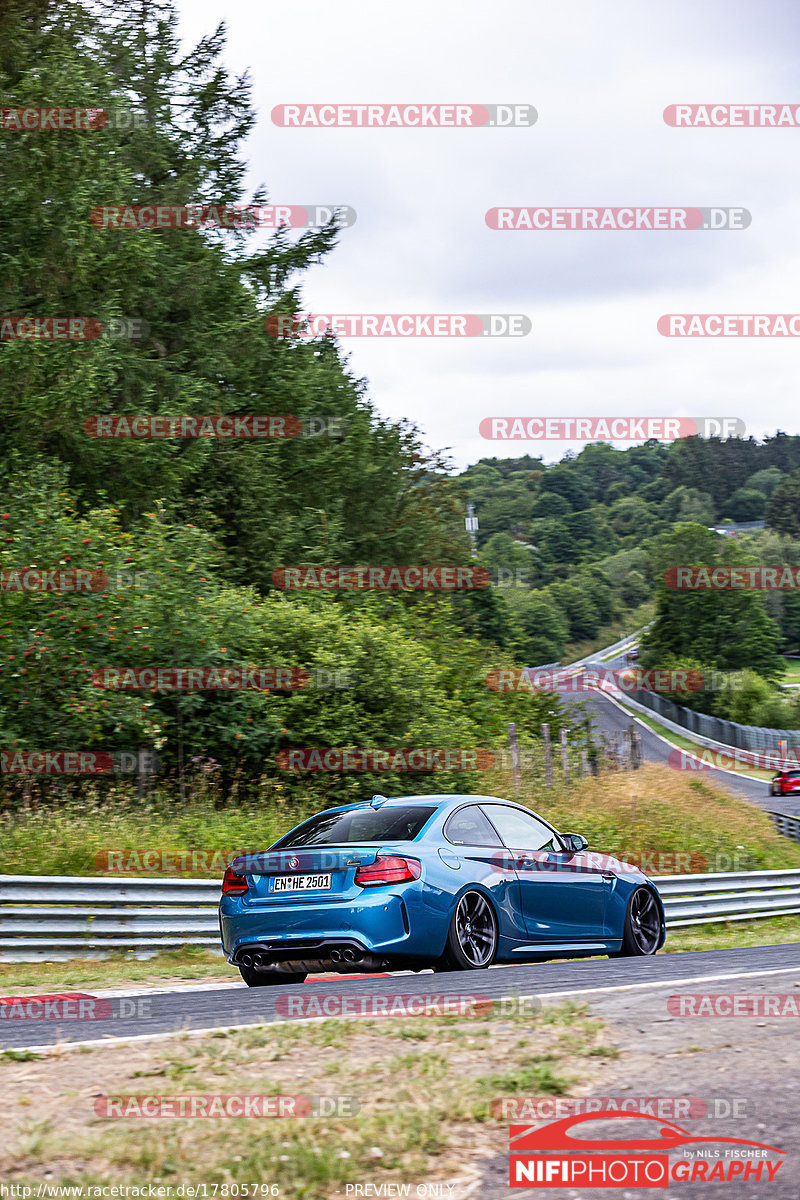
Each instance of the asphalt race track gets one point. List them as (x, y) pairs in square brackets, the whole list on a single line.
[(611, 719), (151, 1012)]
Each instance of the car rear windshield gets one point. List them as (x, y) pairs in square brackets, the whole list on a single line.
[(400, 824)]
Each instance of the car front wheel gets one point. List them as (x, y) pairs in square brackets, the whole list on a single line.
[(472, 936), (642, 930)]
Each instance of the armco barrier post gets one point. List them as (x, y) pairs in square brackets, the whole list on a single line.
[(512, 741), (564, 755), (548, 756), (630, 752)]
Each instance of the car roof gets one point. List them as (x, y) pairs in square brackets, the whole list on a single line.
[(445, 800)]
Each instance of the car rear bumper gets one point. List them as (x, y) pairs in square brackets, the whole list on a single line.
[(382, 923)]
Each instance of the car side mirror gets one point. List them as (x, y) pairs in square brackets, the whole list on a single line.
[(574, 842)]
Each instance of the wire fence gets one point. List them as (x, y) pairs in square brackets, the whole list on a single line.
[(717, 729)]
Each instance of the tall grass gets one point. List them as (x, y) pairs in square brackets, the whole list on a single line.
[(652, 810), (75, 835)]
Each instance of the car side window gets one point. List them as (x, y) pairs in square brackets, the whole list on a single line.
[(469, 827), (521, 831)]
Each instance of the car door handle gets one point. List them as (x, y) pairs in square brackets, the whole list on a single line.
[(609, 876)]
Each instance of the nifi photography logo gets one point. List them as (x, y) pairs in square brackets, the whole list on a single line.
[(559, 1155)]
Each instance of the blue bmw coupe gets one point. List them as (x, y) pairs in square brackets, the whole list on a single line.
[(450, 882)]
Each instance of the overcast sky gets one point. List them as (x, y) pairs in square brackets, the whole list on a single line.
[(600, 76)]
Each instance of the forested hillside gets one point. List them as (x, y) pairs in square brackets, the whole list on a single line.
[(581, 544)]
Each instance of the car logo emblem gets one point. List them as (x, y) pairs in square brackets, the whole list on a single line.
[(294, 863)]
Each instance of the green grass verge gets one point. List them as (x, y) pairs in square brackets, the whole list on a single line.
[(791, 670), (734, 935)]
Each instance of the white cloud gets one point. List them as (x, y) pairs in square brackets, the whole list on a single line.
[(600, 77)]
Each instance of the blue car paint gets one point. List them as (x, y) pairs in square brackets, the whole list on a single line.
[(572, 905)]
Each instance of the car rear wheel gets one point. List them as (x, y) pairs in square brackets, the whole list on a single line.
[(472, 936), (270, 978), (642, 930)]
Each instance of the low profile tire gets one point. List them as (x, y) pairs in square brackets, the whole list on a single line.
[(472, 936), (642, 931), (269, 978)]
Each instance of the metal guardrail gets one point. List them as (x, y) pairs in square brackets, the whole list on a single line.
[(596, 655), (608, 651), (719, 730), (728, 896), (51, 918), (786, 825)]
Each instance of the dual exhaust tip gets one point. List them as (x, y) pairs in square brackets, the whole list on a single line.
[(254, 960), (347, 955)]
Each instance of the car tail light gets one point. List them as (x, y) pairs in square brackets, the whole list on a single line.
[(234, 884), (387, 869)]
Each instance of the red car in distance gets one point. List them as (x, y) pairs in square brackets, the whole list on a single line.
[(785, 782)]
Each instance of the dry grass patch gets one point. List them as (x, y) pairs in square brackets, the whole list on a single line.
[(424, 1101)]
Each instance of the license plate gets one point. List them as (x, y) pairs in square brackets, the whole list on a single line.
[(299, 883)]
